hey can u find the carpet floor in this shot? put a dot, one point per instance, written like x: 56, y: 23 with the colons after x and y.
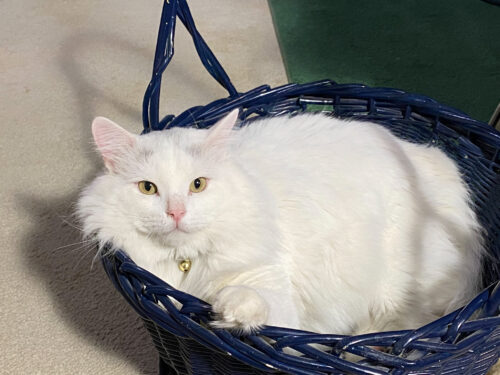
x: 62, y: 63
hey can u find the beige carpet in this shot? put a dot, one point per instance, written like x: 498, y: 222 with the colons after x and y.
x: 61, y: 64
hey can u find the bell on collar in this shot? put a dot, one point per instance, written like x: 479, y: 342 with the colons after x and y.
x: 185, y: 265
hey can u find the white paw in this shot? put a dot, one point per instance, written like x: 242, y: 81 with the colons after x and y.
x: 240, y: 308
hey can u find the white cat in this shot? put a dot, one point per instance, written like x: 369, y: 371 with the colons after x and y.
x: 307, y: 222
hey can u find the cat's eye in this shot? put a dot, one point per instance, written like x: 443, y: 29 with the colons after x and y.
x: 198, y: 185
x: 147, y: 187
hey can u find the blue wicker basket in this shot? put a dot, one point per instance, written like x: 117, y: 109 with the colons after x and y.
x: 463, y: 342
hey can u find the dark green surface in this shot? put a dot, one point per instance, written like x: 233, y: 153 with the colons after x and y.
x: 446, y: 49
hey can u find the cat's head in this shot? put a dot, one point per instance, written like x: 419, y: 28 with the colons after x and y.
x: 170, y: 188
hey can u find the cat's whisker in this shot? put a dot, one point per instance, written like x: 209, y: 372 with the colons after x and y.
x: 72, y: 225
x: 101, y: 251
x: 85, y: 255
x: 83, y: 248
x: 73, y: 244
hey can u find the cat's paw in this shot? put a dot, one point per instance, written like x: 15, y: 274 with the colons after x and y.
x: 240, y: 308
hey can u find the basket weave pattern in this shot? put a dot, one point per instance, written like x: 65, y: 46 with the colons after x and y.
x: 463, y: 342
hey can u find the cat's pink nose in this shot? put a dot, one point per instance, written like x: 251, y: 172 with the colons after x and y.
x: 176, y: 213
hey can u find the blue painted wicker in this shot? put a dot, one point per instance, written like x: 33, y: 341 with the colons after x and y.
x: 464, y: 342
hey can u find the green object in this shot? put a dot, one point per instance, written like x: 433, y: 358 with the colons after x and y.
x: 447, y: 49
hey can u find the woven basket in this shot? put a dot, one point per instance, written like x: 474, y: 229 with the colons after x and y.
x: 463, y: 342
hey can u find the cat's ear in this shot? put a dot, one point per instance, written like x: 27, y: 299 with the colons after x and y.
x: 218, y: 133
x: 113, y: 142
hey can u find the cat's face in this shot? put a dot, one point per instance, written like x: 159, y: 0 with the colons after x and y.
x: 169, y: 187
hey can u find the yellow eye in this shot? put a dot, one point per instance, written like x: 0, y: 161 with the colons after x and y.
x: 198, y: 185
x: 147, y: 187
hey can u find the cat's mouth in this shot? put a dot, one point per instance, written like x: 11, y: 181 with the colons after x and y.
x: 168, y: 233
x: 171, y: 232
x: 160, y: 228
x: 179, y: 229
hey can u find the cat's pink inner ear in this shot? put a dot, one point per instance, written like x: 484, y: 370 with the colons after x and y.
x: 219, y: 133
x: 112, y: 141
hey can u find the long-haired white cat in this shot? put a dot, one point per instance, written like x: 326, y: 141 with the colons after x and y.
x: 307, y: 222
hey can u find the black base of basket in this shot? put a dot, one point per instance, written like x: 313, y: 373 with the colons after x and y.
x: 164, y: 369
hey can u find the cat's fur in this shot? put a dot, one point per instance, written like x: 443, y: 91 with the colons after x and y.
x: 307, y: 222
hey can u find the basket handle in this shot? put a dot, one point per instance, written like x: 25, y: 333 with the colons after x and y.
x: 163, y: 54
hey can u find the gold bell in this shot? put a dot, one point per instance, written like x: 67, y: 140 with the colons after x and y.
x: 185, y: 265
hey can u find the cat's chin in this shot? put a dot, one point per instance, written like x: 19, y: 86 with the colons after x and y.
x: 176, y: 238
x: 188, y: 245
